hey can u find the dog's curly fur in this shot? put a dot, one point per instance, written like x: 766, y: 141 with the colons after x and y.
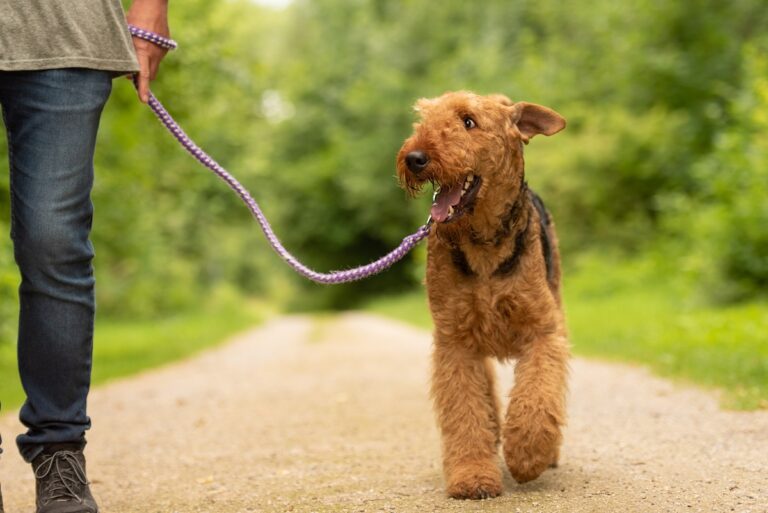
x: 493, y: 280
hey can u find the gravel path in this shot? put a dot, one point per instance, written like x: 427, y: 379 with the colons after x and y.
x: 309, y: 415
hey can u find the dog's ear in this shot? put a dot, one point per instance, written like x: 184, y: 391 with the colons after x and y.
x: 532, y: 119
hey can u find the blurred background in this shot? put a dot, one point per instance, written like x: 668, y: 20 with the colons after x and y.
x: 658, y: 185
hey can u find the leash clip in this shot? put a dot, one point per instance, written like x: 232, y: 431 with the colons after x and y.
x: 434, y: 197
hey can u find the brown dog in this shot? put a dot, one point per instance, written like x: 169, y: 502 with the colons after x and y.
x: 493, y: 280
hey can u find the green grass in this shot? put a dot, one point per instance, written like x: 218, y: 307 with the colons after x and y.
x: 124, y: 347
x: 640, y: 312
x: 410, y: 307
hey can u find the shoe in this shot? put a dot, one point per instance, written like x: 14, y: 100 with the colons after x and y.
x: 61, y: 482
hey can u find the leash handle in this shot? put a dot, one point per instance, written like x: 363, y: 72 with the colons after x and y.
x: 333, y: 277
x: 164, y: 42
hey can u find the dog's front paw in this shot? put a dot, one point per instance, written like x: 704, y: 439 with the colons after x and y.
x: 526, y: 470
x: 531, y: 446
x: 475, y: 482
x: 526, y: 463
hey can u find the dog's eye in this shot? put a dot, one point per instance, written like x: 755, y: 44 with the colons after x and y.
x: 469, y: 122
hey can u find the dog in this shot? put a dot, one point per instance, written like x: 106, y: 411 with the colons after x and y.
x: 493, y: 284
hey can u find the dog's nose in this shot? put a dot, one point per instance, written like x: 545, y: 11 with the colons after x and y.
x: 416, y: 161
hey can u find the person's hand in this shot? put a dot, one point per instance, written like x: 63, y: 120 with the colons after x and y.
x: 151, y: 15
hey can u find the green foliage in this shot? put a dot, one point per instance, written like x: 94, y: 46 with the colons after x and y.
x: 167, y: 233
x: 9, y: 280
x: 647, y: 87
x: 727, y: 240
x: 166, y: 230
x: 604, y: 180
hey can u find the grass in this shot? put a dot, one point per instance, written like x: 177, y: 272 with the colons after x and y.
x: 639, y: 312
x: 124, y: 347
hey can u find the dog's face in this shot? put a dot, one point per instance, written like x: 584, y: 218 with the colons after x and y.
x: 467, y: 145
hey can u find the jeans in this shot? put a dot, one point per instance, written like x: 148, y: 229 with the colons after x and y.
x: 51, y: 118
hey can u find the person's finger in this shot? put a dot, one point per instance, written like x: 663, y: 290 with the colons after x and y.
x: 144, y: 77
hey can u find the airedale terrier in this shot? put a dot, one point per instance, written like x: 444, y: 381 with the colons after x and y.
x: 493, y: 282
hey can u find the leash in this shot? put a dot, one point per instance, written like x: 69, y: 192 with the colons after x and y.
x: 333, y: 277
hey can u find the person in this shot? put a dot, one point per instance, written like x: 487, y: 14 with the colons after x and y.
x: 57, y: 62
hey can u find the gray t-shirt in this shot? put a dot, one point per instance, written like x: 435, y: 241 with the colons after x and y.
x: 47, y: 34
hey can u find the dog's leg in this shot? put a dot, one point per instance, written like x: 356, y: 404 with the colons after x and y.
x: 536, y: 412
x: 492, y: 397
x: 468, y: 416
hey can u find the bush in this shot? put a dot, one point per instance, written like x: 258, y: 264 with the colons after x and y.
x: 726, y: 222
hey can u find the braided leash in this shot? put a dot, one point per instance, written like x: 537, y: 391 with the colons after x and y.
x: 333, y: 277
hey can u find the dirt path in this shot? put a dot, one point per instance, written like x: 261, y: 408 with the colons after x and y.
x: 332, y: 415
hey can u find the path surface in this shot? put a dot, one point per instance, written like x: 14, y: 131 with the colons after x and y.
x: 307, y: 415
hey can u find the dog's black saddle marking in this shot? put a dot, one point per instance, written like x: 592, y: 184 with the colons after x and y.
x: 505, y: 228
x: 546, y: 244
x: 460, y: 261
x: 509, y: 265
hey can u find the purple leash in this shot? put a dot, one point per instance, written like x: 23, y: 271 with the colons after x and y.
x: 333, y: 277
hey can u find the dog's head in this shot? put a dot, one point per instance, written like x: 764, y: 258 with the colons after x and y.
x: 468, y: 146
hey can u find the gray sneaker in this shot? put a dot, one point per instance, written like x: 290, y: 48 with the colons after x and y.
x: 62, y: 486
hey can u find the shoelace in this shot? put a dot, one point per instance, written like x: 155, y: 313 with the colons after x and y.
x: 66, y: 477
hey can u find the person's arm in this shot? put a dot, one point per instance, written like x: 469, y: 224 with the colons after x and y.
x: 150, y: 15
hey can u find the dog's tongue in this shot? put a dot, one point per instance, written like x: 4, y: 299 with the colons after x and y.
x: 446, y: 198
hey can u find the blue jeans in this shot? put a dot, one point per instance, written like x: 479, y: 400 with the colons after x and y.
x: 51, y: 118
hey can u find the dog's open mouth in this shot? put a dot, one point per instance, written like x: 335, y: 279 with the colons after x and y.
x: 450, y: 202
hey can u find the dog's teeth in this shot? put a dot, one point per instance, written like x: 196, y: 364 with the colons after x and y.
x: 470, y: 178
x: 450, y: 211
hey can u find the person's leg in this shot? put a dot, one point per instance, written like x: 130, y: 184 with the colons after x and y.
x: 52, y: 117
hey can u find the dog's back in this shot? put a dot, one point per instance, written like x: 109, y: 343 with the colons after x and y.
x: 549, y: 245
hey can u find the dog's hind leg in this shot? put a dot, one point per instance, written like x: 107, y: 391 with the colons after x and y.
x: 468, y: 416
x: 536, y: 413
